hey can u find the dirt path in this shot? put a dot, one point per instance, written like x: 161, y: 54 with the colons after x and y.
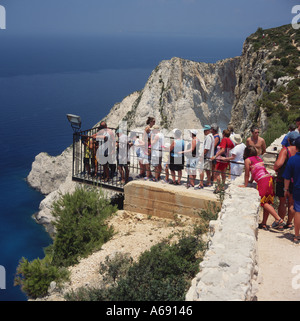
x: 279, y: 266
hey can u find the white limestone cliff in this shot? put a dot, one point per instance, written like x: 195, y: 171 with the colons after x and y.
x: 181, y: 94
x: 49, y: 172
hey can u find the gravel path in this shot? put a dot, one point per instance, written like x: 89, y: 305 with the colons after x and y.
x: 279, y: 266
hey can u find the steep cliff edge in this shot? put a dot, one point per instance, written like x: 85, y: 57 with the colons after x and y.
x: 251, y: 89
x: 181, y: 94
x: 268, y: 84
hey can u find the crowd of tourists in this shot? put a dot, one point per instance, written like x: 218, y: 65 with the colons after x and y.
x: 219, y: 155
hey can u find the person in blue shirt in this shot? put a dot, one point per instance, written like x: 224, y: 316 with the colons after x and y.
x: 285, y: 141
x: 292, y: 172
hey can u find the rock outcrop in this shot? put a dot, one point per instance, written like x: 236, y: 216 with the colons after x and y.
x: 186, y: 94
x: 251, y: 83
x: 52, y: 176
x: 181, y: 94
x: 49, y: 172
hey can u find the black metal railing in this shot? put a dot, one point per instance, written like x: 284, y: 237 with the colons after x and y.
x: 112, y: 173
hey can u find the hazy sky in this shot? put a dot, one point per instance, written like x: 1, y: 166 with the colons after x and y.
x: 203, y: 18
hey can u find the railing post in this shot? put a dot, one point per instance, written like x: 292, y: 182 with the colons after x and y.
x: 76, y: 153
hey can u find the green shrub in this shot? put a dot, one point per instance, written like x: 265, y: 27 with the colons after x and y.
x: 276, y: 127
x: 284, y: 61
x: 80, y: 225
x: 161, y: 274
x: 115, y: 268
x: 35, y: 277
x: 81, y: 229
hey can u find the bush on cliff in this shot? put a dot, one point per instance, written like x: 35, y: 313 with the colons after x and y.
x: 161, y: 274
x: 35, y: 277
x: 80, y: 224
x: 81, y: 228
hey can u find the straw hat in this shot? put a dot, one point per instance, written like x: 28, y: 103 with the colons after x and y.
x: 237, y: 138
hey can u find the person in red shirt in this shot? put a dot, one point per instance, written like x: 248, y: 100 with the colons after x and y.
x: 223, y: 151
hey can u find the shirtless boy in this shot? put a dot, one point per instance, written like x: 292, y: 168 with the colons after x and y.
x: 256, y: 141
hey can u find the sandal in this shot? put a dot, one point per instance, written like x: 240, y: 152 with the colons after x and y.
x: 198, y: 187
x: 288, y: 226
x: 296, y: 240
x: 264, y: 227
x: 278, y: 224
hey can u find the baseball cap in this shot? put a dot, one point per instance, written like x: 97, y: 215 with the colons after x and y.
x: 193, y: 131
x: 206, y: 127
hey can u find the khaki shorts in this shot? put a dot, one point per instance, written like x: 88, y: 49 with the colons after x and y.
x: 207, y: 165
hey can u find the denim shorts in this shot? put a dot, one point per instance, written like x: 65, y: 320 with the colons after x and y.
x: 297, y: 205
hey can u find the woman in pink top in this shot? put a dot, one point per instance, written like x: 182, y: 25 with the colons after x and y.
x: 255, y: 166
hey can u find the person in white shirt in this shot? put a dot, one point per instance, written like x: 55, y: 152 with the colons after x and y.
x: 122, y: 156
x: 157, y: 141
x: 208, y: 153
x: 105, y: 154
x: 236, y: 155
x: 138, y: 144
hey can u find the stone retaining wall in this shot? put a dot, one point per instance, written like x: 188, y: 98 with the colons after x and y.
x: 164, y: 200
x: 229, y: 269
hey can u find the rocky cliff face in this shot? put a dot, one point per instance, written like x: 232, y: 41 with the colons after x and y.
x: 181, y: 94
x: 268, y: 84
x: 186, y: 94
x: 48, y: 172
x: 251, y: 82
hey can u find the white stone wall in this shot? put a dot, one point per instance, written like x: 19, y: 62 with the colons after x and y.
x: 229, y: 269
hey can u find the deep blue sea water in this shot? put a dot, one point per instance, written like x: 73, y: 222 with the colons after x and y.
x: 43, y: 79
